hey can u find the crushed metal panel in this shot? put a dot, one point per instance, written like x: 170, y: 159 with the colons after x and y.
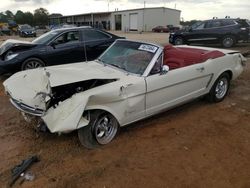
x: 66, y: 116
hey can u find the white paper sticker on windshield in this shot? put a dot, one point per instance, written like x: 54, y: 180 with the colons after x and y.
x: 148, y: 48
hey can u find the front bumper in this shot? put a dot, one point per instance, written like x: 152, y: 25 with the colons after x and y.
x: 171, y: 39
x: 9, y: 66
x: 27, y: 109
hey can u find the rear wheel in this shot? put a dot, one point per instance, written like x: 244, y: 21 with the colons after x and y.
x: 178, y: 41
x: 101, y: 130
x: 32, y: 63
x: 228, y: 41
x: 220, y: 88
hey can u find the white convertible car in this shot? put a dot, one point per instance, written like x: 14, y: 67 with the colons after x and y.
x: 129, y: 82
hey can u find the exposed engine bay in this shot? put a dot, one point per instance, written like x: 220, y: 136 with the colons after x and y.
x: 63, y: 92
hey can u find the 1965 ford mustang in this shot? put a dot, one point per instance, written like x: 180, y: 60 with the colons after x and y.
x: 128, y: 82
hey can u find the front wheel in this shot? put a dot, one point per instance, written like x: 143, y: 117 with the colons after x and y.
x: 220, y: 88
x: 228, y: 41
x: 178, y: 41
x: 32, y: 63
x: 101, y: 130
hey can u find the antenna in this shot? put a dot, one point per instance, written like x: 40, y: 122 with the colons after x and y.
x: 84, y: 45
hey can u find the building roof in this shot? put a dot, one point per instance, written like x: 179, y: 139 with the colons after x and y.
x: 90, y: 13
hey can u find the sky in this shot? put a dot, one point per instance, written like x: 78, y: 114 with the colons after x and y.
x: 190, y: 9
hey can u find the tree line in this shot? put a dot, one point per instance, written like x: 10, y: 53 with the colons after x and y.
x: 40, y: 17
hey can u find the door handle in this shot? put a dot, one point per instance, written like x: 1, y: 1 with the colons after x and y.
x: 201, y: 69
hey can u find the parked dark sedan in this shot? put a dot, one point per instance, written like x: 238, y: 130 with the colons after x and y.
x: 59, y: 46
x: 26, y: 31
x: 226, y: 32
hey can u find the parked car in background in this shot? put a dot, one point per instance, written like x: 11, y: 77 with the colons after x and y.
x: 172, y: 28
x: 60, y: 26
x: 4, y: 30
x: 160, y: 29
x: 59, y: 46
x: 26, y: 31
x: 130, y: 81
x: 226, y: 32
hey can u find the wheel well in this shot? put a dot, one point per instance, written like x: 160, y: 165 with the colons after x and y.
x: 35, y: 58
x: 230, y: 73
x: 21, y: 64
x: 230, y: 34
x: 86, y: 113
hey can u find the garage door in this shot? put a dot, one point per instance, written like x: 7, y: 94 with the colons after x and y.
x: 133, y: 25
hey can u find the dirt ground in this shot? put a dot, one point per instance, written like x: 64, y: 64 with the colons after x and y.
x: 196, y: 145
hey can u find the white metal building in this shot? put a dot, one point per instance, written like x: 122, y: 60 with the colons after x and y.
x: 143, y: 19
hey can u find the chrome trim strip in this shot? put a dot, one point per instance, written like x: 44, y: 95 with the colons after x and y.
x: 27, y: 109
x: 199, y: 39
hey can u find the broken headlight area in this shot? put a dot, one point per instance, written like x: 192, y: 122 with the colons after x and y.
x: 10, y: 56
x: 63, y: 92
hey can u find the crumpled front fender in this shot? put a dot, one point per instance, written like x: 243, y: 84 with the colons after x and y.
x: 67, y: 115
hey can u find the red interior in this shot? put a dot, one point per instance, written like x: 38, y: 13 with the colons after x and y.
x: 176, y: 57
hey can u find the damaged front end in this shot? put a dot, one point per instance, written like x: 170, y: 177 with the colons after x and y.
x: 10, y: 52
x: 60, y: 107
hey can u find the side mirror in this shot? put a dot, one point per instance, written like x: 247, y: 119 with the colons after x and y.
x: 164, y: 69
x: 53, y: 44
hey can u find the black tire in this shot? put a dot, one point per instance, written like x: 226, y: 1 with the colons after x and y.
x: 228, y: 41
x: 178, y: 41
x: 32, y: 63
x: 94, y: 134
x: 220, y: 88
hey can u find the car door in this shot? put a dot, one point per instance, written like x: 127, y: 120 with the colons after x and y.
x: 95, y: 42
x: 176, y: 86
x: 65, y: 49
x: 196, y: 32
x: 212, y: 30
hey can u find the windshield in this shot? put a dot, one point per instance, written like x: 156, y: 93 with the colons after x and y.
x: 248, y: 22
x: 196, y: 25
x: 25, y: 27
x: 45, y: 38
x: 132, y: 57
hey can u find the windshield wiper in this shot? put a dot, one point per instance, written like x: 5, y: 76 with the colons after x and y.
x: 115, y: 65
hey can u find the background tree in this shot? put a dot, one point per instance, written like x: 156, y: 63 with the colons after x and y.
x: 9, y: 15
x: 41, y: 16
x: 189, y: 23
x: 3, y: 17
x: 19, y: 17
x: 28, y: 18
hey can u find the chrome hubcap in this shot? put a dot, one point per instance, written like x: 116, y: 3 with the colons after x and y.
x: 228, y: 42
x: 105, y: 130
x: 32, y: 65
x: 221, y: 88
x: 178, y: 41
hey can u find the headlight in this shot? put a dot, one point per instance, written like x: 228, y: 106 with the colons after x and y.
x: 11, y: 56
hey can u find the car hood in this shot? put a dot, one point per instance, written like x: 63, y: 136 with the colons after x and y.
x: 179, y: 32
x: 10, y: 43
x: 33, y: 87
